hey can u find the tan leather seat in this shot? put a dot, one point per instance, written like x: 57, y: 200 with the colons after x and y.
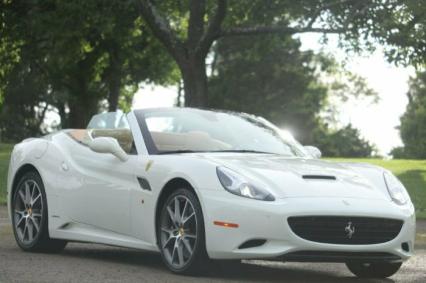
x: 80, y: 135
x: 123, y: 136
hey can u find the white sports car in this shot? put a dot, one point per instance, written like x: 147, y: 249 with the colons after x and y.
x: 197, y: 185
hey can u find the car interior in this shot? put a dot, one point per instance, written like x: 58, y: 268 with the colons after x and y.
x: 123, y: 136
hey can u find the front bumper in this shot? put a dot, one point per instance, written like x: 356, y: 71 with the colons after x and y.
x: 268, y: 221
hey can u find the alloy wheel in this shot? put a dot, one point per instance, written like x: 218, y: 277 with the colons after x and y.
x: 28, y: 211
x: 178, y: 231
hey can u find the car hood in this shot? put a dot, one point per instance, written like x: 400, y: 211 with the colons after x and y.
x: 299, y: 177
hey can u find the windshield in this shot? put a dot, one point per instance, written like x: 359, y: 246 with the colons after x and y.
x: 178, y: 130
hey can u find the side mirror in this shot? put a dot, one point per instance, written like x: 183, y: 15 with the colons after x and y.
x: 313, y: 151
x: 108, y: 145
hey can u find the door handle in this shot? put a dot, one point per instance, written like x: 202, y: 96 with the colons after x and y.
x: 64, y: 166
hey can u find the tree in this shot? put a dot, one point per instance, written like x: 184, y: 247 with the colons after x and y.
x: 21, y: 112
x: 188, y: 29
x: 86, y: 52
x: 413, y: 122
x: 344, y: 142
x: 269, y: 76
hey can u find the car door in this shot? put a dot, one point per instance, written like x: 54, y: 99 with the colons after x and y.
x: 101, y: 199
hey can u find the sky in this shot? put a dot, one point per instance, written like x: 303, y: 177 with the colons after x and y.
x: 376, y: 122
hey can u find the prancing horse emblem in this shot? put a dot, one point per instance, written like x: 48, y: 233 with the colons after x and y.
x: 350, y: 230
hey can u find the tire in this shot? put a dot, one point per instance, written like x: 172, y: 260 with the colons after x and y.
x: 181, y: 236
x: 373, y: 270
x: 30, y: 218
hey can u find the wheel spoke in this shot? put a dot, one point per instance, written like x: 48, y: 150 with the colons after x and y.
x: 190, y: 236
x: 20, y: 214
x: 30, y: 230
x: 33, y: 190
x: 25, y: 230
x: 173, y: 253
x: 36, y: 215
x: 34, y: 200
x: 36, y: 225
x: 177, y: 210
x: 171, y: 216
x: 27, y: 194
x: 184, y: 210
x: 167, y: 242
x: 22, y: 196
x: 180, y: 254
x: 189, y: 217
x: 187, y: 245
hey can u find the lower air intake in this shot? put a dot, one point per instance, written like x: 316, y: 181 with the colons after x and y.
x: 345, y: 230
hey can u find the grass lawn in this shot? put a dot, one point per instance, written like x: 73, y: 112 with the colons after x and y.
x: 411, y: 172
x: 5, y: 150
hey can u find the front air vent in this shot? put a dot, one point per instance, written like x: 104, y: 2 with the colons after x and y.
x: 405, y: 247
x: 319, y: 177
x: 252, y: 243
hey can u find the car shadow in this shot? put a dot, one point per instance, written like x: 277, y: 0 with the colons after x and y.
x: 246, y: 271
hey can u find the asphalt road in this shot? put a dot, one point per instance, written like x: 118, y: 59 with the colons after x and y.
x: 97, y: 263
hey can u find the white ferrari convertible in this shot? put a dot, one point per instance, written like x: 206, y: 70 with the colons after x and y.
x: 198, y: 185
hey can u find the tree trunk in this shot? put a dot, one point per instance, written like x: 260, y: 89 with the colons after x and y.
x: 113, y: 77
x: 63, y: 115
x: 114, y: 93
x: 179, y: 94
x: 83, y: 104
x: 194, y: 77
x: 81, y: 111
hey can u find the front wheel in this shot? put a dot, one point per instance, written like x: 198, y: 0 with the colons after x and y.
x: 30, y: 219
x: 373, y: 270
x: 181, y: 233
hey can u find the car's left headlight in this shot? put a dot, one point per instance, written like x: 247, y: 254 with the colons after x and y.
x: 396, y: 189
x: 238, y: 185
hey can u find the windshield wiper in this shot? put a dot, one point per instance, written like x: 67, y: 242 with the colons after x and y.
x: 243, y: 151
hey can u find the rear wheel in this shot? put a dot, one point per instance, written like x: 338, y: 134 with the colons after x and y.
x: 181, y: 233
x: 373, y: 270
x: 29, y: 216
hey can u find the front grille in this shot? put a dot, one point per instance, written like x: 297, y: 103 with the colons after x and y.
x: 345, y: 230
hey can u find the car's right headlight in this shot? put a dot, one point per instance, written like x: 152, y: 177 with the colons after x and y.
x: 396, y: 189
x: 238, y: 185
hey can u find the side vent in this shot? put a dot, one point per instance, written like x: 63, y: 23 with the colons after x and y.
x: 144, y: 184
x: 319, y: 177
x: 252, y: 244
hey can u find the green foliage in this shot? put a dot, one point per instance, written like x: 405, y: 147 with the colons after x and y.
x: 401, y: 28
x: 78, y: 54
x: 269, y: 77
x: 413, y: 122
x: 5, y: 151
x: 344, y: 142
x: 398, y: 152
x: 188, y: 29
